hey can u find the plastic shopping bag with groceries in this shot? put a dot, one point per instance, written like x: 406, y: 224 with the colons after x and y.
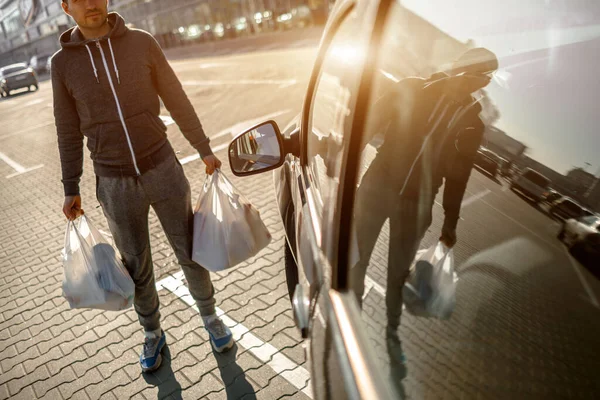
x: 94, y: 277
x: 227, y: 228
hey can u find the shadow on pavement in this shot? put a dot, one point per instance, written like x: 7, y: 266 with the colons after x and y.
x: 233, y: 376
x: 164, y: 378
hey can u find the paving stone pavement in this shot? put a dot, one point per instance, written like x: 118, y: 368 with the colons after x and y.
x: 49, y: 351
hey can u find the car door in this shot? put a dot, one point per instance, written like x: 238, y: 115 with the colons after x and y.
x: 338, y: 356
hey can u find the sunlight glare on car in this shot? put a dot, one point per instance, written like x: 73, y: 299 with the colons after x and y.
x: 347, y: 53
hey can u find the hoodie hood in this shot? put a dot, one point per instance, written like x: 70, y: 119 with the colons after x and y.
x: 74, y: 38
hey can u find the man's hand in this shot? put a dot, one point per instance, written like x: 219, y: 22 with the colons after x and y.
x: 72, y: 207
x: 448, y: 236
x: 212, y: 163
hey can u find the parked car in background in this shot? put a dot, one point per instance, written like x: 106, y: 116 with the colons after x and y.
x: 582, y: 236
x: 531, y: 184
x: 506, y: 168
x: 48, y: 64
x: 566, y: 208
x: 298, y: 17
x: 40, y: 63
x: 551, y: 196
x: 488, y: 162
x: 17, y: 76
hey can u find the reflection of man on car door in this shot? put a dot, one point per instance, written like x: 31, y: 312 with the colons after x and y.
x: 432, y: 132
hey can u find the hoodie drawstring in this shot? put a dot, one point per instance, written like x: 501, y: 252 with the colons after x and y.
x: 93, y: 64
x: 114, y: 62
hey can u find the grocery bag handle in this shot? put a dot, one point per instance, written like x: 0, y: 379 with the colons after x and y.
x: 447, y: 251
x: 71, y: 224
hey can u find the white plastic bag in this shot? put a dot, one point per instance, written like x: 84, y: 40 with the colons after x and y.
x: 94, y: 277
x: 227, y: 228
x: 430, y: 288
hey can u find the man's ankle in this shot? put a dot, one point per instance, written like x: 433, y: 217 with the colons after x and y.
x: 207, y: 319
x: 156, y: 333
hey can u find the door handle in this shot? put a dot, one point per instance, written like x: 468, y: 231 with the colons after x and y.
x: 301, y: 308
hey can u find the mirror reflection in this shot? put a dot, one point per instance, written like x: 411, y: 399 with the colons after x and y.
x: 255, y: 150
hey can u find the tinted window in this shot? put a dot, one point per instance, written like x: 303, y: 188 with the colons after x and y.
x: 523, y: 310
x: 330, y: 115
x: 569, y: 205
x: 536, y: 178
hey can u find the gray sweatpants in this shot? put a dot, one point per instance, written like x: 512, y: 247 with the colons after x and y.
x: 126, y: 201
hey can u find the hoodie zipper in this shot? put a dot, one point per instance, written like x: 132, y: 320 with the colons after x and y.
x: 112, y: 86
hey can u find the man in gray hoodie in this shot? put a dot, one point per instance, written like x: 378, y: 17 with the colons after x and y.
x: 107, y: 80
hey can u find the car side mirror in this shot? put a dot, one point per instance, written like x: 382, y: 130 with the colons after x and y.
x: 257, y: 150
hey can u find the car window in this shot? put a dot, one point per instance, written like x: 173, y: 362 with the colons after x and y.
x: 11, y: 70
x: 330, y: 112
x: 452, y: 75
x: 536, y: 178
x: 590, y: 221
x: 569, y: 205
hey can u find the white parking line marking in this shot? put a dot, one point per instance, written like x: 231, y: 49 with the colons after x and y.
x: 167, y: 120
x: 193, y: 65
x: 475, y: 197
x: 16, y: 166
x: 521, y: 225
x: 27, y: 130
x: 241, y: 82
x: 584, y: 282
x: 295, y: 374
x: 371, y: 284
x: 233, y: 131
x: 287, y: 85
x: 33, y: 102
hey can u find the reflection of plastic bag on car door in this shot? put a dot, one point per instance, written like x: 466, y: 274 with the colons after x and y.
x: 430, y: 289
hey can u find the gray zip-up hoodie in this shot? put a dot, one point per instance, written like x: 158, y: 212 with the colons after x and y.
x: 108, y: 90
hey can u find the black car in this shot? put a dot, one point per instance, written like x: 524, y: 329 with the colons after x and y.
x: 343, y: 173
x: 551, y: 196
x: 488, y: 162
x: 17, y: 76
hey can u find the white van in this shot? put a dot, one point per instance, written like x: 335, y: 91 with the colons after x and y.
x: 531, y: 184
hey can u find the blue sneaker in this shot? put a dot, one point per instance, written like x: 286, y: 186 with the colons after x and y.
x: 221, y: 337
x: 150, y: 359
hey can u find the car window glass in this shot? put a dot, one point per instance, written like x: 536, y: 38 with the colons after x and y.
x: 453, y: 76
x: 571, y: 206
x: 12, y: 70
x: 330, y: 109
x: 591, y: 220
